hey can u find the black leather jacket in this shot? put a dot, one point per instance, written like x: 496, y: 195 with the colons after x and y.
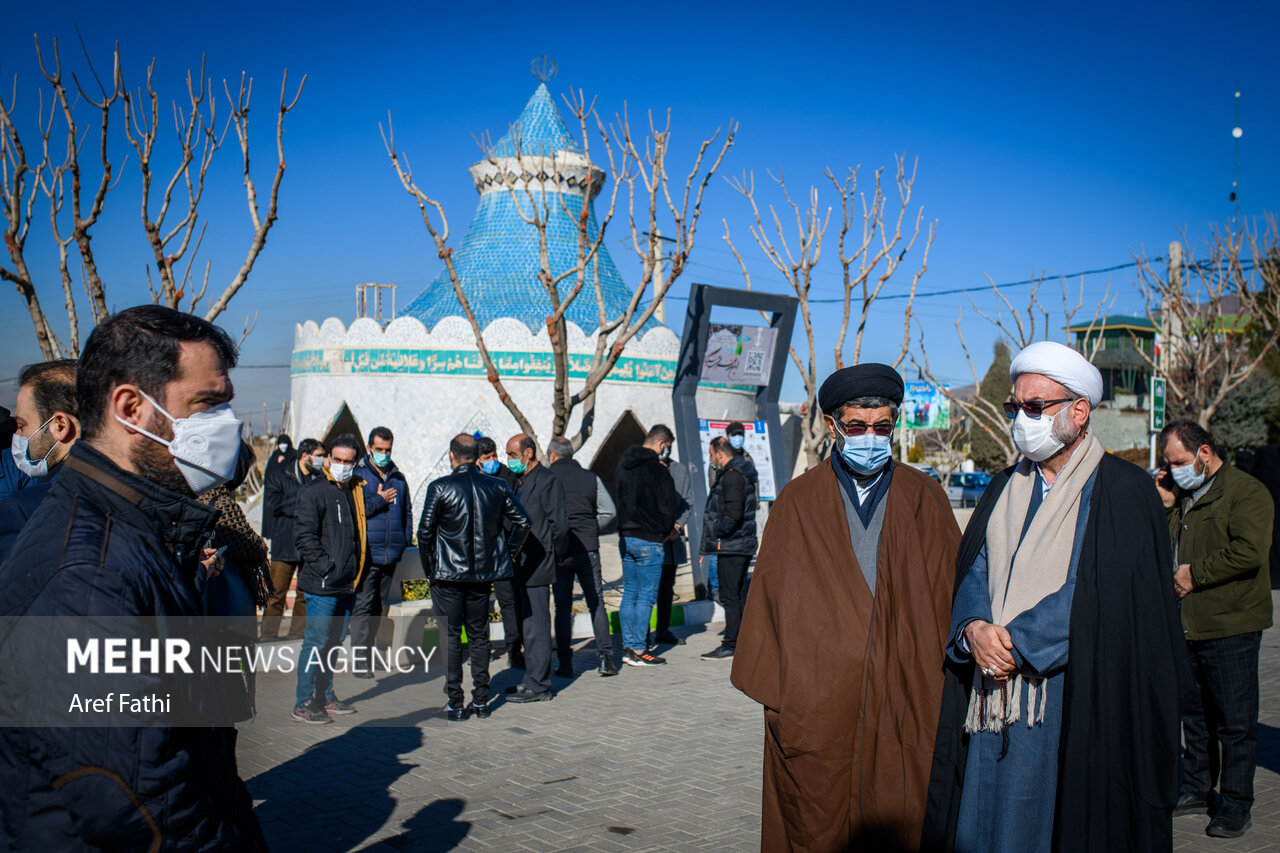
x: 460, y: 536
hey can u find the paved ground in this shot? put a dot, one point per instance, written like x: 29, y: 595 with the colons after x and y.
x: 655, y: 759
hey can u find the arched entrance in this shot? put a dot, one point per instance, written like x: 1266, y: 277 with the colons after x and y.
x: 344, y: 423
x: 626, y: 432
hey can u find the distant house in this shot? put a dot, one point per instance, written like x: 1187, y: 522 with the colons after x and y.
x: 1121, y: 341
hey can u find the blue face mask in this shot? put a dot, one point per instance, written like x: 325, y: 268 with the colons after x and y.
x: 736, y: 441
x: 490, y: 466
x: 867, y: 454
x: 381, y: 459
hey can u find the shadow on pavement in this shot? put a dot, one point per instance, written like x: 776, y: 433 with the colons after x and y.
x: 337, y: 793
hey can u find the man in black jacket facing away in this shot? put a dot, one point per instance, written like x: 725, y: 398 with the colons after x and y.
x: 543, y: 498
x: 280, y: 493
x: 729, y: 532
x: 333, y: 541
x: 647, y: 509
x: 463, y: 546
x: 119, y: 538
x: 589, y: 508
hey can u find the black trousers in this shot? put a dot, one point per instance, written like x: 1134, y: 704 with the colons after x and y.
x: 732, y: 569
x: 666, y: 592
x: 456, y: 605
x: 585, y: 569
x: 534, y: 606
x: 1220, y: 736
x: 505, y: 592
x: 367, y: 612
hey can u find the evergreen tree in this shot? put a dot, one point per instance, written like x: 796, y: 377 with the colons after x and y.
x: 987, y: 452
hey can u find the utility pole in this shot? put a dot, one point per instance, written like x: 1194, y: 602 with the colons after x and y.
x: 661, y: 311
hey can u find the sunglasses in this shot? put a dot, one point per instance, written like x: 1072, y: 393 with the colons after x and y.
x: 1032, y: 408
x: 882, y: 429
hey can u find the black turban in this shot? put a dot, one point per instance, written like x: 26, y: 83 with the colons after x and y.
x: 861, y: 380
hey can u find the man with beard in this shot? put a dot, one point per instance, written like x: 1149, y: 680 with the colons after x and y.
x: 118, y: 541
x: 1065, y: 660
x: 843, y: 632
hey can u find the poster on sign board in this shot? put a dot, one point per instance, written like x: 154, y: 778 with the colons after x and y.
x: 925, y: 406
x: 756, y: 445
x: 739, y: 355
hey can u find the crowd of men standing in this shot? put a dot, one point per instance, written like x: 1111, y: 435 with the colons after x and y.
x: 1071, y: 672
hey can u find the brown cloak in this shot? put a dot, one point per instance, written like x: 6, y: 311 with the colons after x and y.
x: 850, y: 684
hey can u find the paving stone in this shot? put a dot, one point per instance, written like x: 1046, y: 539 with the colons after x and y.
x: 662, y: 759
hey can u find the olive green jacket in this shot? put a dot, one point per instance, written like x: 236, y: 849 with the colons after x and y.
x: 1226, y: 537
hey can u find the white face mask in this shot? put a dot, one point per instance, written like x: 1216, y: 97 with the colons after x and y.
x: 1187, y: 478
x: 1034, y: 438
x: 35, y: 470
x: 283, y: 447
x: 206, y: 445
x: 342, y: 471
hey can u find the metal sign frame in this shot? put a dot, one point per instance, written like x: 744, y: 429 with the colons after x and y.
x: 693, y: 346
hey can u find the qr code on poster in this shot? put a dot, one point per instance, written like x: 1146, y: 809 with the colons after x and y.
x: 755, y: 363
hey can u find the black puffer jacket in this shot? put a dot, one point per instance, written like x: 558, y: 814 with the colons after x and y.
x: 331, y: 535
x: 729, y: 524
x: 280, y: 495
x: 460, y: 536
x: 107, y: 543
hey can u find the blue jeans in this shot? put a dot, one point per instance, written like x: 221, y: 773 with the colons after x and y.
x: 641, y: 574
x: 327, y: 617
x: 713, y: 580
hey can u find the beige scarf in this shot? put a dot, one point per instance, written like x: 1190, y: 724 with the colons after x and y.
x: 1020, y: 576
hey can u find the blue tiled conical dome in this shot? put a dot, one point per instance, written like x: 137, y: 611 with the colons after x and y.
x: 497, y: 261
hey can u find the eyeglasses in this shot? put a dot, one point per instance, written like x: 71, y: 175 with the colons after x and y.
x: 1033, y: 408
x: 882, y: 428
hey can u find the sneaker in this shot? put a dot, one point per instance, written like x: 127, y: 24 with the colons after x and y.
x: 606, y: 666
x: 633, y: 658
x: 1191, y: 803
x: 310, y: 716
x: 456, y: 715
x: 1229, y: 822
x: 719, y: 653
x: 479, y: 711
x: 522, y: 695
x: 668, y: 638
x: 338, y: 707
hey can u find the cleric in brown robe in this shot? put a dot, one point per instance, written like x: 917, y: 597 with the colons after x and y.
x: 843, y: 636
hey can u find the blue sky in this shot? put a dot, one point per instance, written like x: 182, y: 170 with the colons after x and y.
x: 1050, y: 137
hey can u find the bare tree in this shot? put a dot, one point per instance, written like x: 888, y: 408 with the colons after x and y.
x: 1217, y: 314
x: 1019, y: 328
x: 71, y: 195
x: 655, y: 205
x: 867, y: 264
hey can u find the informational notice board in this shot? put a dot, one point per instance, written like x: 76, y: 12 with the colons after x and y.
x: 756, y: 445
x: 739, y: 355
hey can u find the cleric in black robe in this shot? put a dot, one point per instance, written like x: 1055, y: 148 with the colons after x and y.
x: 1117, y: 753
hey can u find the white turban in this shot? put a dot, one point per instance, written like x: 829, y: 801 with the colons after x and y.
x: 1062, y: 364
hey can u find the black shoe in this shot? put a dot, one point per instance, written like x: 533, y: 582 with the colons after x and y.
x: 565, y: 670
x: 522, y: 695
x: 719, y: 653
x: 479, y: 711
x: 310, y: 716
x: 457, y: 715
x: 337, y: 706
x: 1229, y: 822
x: 364, y: 673
x: 606, y: 666
x: 1191, y: 803
x: 497, y: 654
x: 517, y: 660
x: 645, y: 658
x: 669, y: 638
